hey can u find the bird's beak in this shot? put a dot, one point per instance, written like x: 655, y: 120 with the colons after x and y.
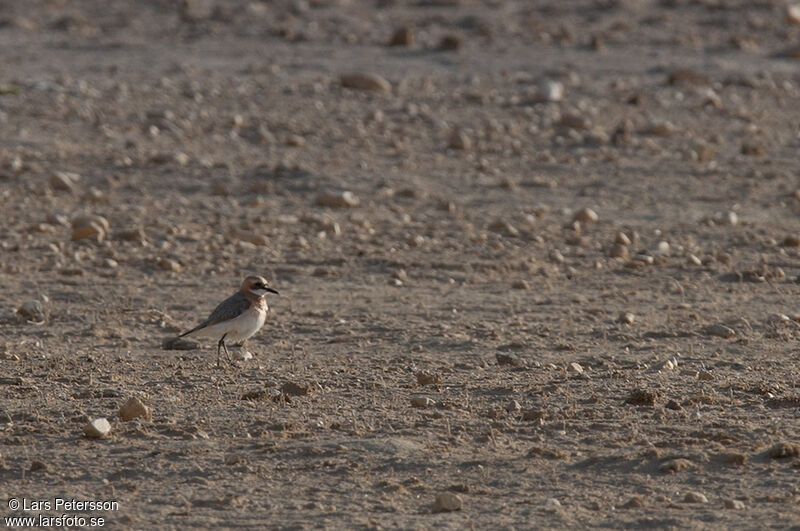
x: 272, y: 290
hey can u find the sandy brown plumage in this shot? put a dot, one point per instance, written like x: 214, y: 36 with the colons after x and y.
x: 238, y: 317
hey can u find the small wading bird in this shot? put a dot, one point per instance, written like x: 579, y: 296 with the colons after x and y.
x: 238, y: 317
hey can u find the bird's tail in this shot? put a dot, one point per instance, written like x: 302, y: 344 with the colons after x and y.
x: 193, y: 330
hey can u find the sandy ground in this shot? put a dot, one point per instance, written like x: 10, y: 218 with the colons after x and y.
x: 458, y: 323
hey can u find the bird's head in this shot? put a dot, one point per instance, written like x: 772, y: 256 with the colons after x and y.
x: 257, y: 285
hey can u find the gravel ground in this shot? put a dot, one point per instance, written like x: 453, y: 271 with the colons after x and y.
x: 538, y: 262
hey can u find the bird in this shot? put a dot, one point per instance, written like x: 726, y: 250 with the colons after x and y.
x: 238, y: 317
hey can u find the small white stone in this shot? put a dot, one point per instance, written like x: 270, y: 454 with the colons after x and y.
x: 668, y: 365
x: 662, y: 248
x: 737, y: 505
x: 695, y: 497
x: 576, y: 368
x: 133, y: 409
x: 552, y: 502
x: 585, y: 215
x: 793, y: 13
x: 97, y: 429
x: 242, y: 355
x: 550, y: 91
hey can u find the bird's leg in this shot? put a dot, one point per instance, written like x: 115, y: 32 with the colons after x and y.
x: 227, y: 354
x: 221, y: 344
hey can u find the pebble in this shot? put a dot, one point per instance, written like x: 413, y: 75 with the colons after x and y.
x: 513, y: 407
x: 597, y: 506
x: 720, y: 330
x: 752, y: 150
x: 734, y: 459
x: 242, y: 355
x: 783, y: 450
x: 296, y: 389
x: 664, y: 128
x: 402, y: 37
x: 32, y: 311
x: 133, y: 235
x: 508, y: 359
x: 521, y: 284
x: 585, y: 215
x: 503, y: 227
x: 90, y: 218
x: 727, y: 218
x: 705, y: 375
x: 695, y: 497
x: 64, y: 181
x: 344, y: 199
x: 674, y: 465
x: 180, y: 343
x: 256, y: 239
x: 694, y: 260
x: 168, y: 264
x: 642, y: 397
x: 686, y: 76
x: 428, y: 378
x: 576, y: 368
x: 793, y: 14
x: 89, y: 226
x: 619, y: 251
x: 196, y: 10
x: 552, y: 502
x: 635, y: 502
x: 626, y: 318
x: 97, y: 429
x: 400, y: 274
x: 38, y: 465
x: 622, y: 239
x: 575, y: 121
x: 534, y: 414
x: 556, y: 256
x: 295, y: 141
x: 367, y: 82
x: 422, y: 401
x: 459, y: 140
x: 792, y: 240
x: 668, y: 365
x: 451, y: 43
x: 550, y: 91
x: 447, y: 502
x: 134, y: 409
x: 737, y: 505
x: 90, y: 230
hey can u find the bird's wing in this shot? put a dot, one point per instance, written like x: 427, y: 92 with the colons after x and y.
x: 228, y: 309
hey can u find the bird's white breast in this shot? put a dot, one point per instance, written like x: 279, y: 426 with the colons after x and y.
x: 239, y: 328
